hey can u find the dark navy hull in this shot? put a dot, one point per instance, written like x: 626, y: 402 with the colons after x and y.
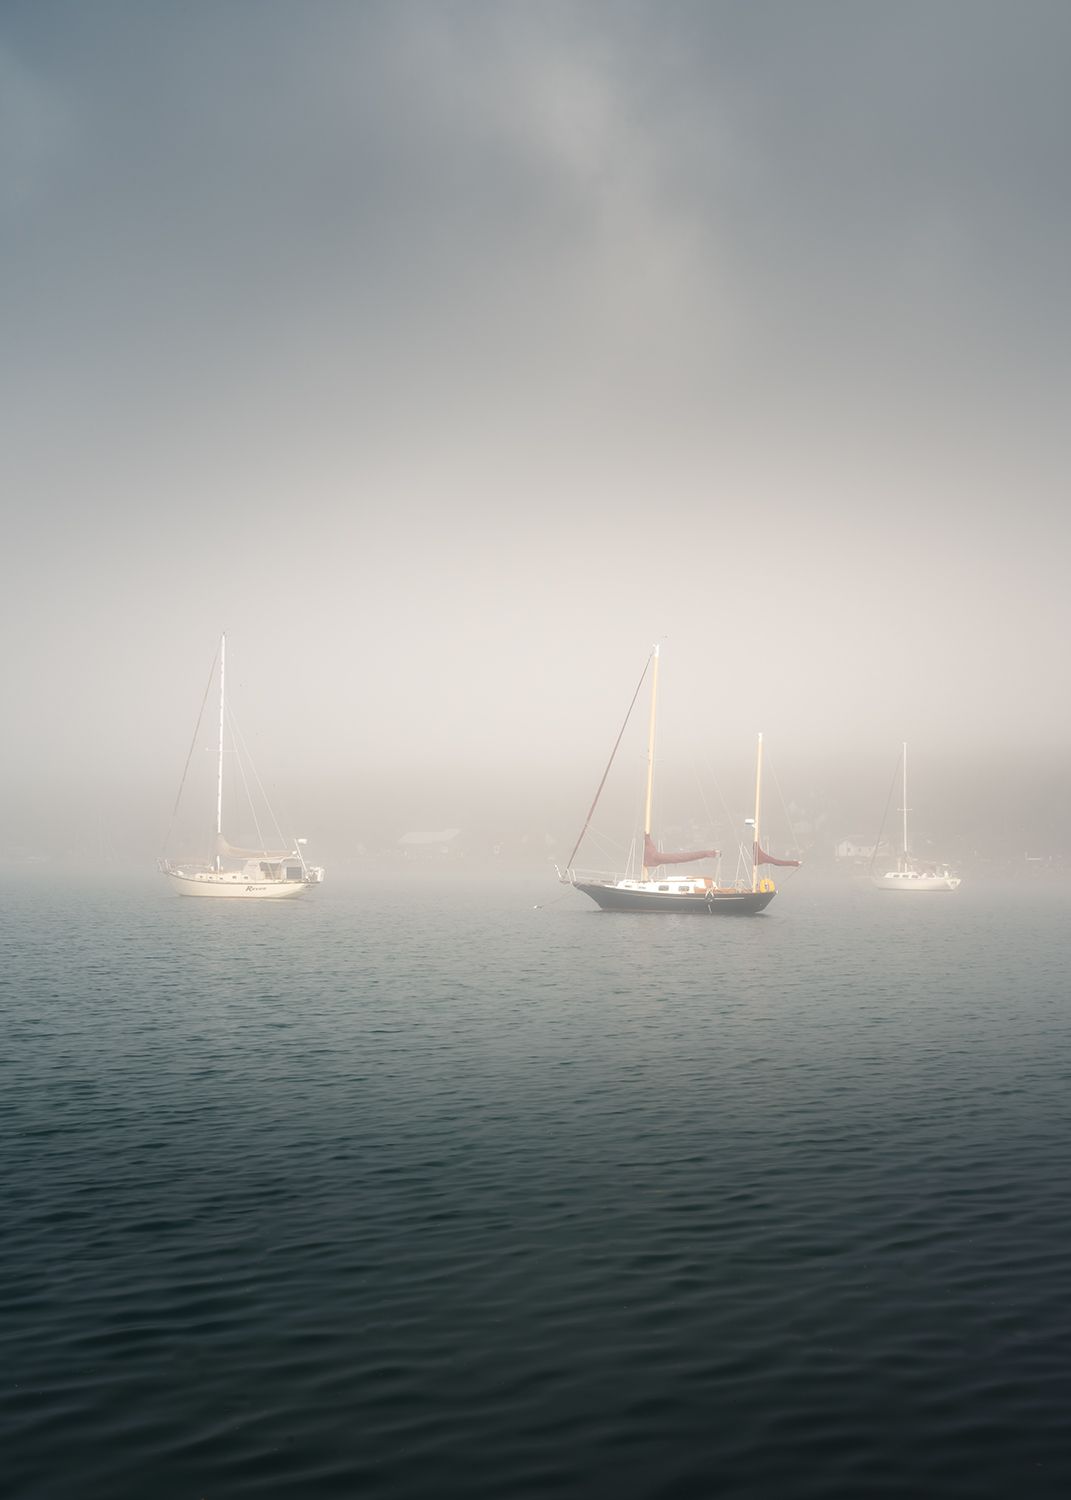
x: 703, y: 903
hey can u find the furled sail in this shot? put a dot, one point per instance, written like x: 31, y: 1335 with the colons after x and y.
x: 229, y: 851
x: 762, y: 858
x: 652, y: 855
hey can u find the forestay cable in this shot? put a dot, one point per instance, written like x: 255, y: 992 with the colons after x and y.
x: 189, y: 753
x: 609, y: 763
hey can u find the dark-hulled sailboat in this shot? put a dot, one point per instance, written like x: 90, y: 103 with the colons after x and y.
x: 656, y: 890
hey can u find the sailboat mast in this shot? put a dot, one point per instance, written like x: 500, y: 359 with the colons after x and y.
x: 904, y: 808
x: 758, y: 806
x: 650, y: 760
x: 219, y: 758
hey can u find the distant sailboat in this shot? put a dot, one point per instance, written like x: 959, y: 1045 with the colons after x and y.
x: 238, y: 874
x: 680, y: 893
x: 911, y: 874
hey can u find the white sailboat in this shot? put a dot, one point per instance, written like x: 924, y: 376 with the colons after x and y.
x: 237, y: 874
x: 679, y: 893
x: 911, y: 874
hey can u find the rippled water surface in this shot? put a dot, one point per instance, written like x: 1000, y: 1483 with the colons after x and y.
x: 414, y: 1190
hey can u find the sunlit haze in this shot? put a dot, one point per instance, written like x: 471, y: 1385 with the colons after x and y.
x: 448, y: 355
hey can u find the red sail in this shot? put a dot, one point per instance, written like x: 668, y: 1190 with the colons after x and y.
x: 653, y: 856
x: 762, y: 858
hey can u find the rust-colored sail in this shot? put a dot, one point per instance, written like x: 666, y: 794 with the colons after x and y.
x: 653, y: 856
x: 762, y: 858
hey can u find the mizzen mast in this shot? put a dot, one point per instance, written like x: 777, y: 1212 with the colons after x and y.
x: 757, y: 846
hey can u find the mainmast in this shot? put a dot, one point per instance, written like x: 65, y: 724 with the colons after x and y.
x: 904, y: 808
x: 758, y: 805
x: 650, y: 759
x: 219, y: 759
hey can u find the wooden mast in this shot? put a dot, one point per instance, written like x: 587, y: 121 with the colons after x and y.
x: 758, y: 805
x: 650, y: 763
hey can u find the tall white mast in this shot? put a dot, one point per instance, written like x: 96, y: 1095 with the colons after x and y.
x: 758, y: 805
x: 904, y: 808
x: 650, y: 763
x: 219, y: 760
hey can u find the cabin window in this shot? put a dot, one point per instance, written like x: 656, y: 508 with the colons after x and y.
x: 683, y: 888
x: 663, y: 887
x: 293, y: 872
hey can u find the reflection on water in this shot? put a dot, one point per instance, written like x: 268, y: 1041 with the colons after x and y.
x: 416, y: 1190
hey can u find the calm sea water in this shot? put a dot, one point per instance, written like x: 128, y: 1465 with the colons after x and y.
x: 414, y: 1190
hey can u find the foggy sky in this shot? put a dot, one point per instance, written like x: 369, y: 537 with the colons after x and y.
x: 446, y: 355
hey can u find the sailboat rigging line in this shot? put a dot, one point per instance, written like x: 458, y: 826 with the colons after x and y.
x: 703, y: 799
x: 788, y: 818
x: 256, y: 777
x: 743, y: 859
x: 885, y: 814
x: 634, y: 863
x: 703, y: 792
x: 611, y: 848
x: 609, y: 763
x: 189, y: 753
x: 235, y: 735
x: 542, y: 905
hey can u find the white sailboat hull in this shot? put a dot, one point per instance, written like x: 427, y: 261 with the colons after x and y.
x: 911, y: 880
x: 224, y: 886
x: 907, y: 876
x: 237, y: 874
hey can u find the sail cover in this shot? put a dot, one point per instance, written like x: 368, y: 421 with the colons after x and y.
x: 654, y: 856
x: 762, y: 858
x: 229, y: 851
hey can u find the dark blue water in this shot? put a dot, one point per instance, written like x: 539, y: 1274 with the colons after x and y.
x: 417, y: 1191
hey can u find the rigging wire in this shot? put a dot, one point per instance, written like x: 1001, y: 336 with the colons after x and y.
x: 189, y: 753
x: 235, y: 737
x: 885, y: 814
x: 611, y: 848
x: 609, y: 763
x: 706, y: 812
x: 260, y: 785
x: 743, y: 863
x: 788, y: 819
x: 542, y: 905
